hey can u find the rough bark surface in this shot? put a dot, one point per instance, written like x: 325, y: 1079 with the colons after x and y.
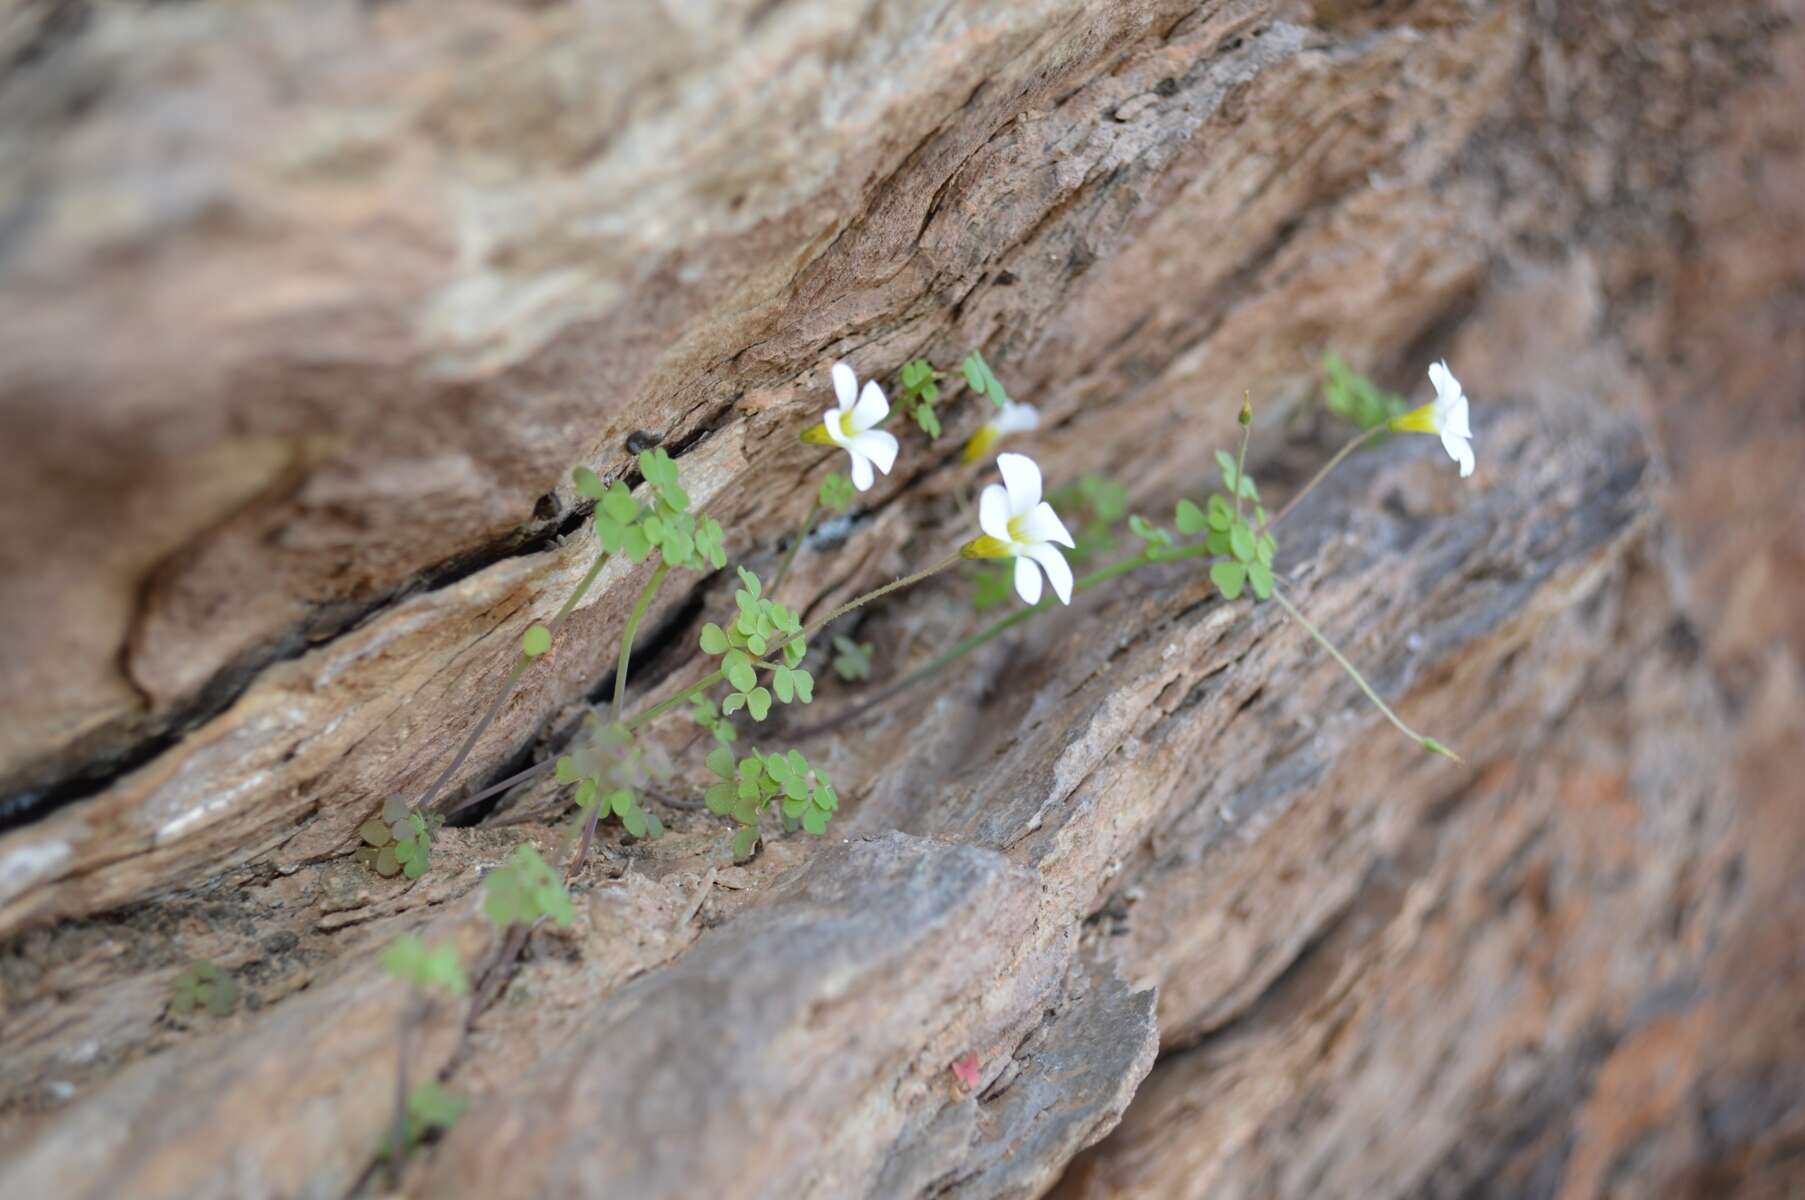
x: 306, y: 310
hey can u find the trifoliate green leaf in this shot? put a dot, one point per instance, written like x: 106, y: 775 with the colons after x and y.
x: 836, y: 493
x: 618, y: 505
x: 740, y: 672
x: 815, y: 821
x: 657, y: 467
x: 1222, y: 513
x: 1230, y: 577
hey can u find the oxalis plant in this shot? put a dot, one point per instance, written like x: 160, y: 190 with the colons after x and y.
x: 758, y: 651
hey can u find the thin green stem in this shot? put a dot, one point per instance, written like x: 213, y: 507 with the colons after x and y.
x: 789, y: 557
x: 997, y: 628
x: 1353, y: 445
x: 714, y: 677
x: 507, y: 687
x: 626, y: 637
x: 1241, y: 462
x: 1428, y: 743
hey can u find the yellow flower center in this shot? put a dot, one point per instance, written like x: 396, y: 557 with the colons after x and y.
x: 846, y: 428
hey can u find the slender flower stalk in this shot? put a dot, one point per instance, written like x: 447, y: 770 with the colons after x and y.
x: 507, y: 687
x: 1354, y: 444
x: 1427, y: 743
x: 707, y: 681
x: 783, y: 569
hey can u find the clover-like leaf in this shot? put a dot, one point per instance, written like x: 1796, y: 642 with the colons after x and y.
x: 740, y: 672
x: 758, y: 703
x: 836, y: 493
x: 815, y: 821
x: 714, y: 639
x: 1189, y: 518
x: 589, y: 483
x: 658, y: 468
x: 1230, y: 577
x: 618, y: 504
x: 375, y: 832
x: 1259, y: 577
x: 744, y: 841
x: 1240, y: 541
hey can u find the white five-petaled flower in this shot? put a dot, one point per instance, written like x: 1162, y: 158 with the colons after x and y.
x: 852, y: 426
x: 1011, y: 418
x: 1018, y: 524
x: 1446, y: 416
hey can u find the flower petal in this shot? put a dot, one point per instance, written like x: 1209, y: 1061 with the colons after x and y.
x: 871, y: 408
x: 1454, y: 419
x: 993, y: 512
x: 1059, y: 572
x: 830, y: 420
x: 1022, y: 479
x: 1027, y: 580
x: 1460, y: 450
x: 1042, y: 525
x: 878, y: 446
x: 1446, y: 386
x: 862, y: 478
x: 846, y: 386
x: 1016, y: 418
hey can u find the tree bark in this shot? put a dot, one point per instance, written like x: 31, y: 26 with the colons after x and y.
x: 307, y: 310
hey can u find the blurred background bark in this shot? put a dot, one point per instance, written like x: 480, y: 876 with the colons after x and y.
x: 307, y: 309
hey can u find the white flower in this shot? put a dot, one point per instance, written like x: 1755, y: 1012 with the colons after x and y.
x: 853, y: 427
x: 1446, y: 415
x: 1018, y: 524
x: 1012, y: 418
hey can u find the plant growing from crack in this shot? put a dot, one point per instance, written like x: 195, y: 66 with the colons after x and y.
x: 430, y: 973
x: 202, y: 987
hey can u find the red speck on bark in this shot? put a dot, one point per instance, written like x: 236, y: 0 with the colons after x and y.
x: 965, y: 1068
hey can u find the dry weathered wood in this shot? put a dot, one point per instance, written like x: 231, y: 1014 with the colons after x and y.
x: 306, y: 311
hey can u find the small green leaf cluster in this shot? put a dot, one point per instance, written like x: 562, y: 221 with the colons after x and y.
x: 664, y: 523
x: 399, y: 842
x: 747, y: 789
x: 920, y: 391
x: 704, y: 712
x: 609, y: 769
x: 410, y: 960
x: 431, y: 1109
x: 524, y: 889
x: 1251, y: 546
x: 836, y: 493
x: 1091, y: 506
x: 203, y: 986
x: 852, y: 660
x: 763, y: 626
x: 1355, y: 398
x: 983, y: 380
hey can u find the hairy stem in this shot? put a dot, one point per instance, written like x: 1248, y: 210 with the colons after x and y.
x: 507, y: 688
x: 1428, y: 743
x: 808, y: 522
x: 1353, y: 445
x: 714, y: 677
x: 1241, y: 461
